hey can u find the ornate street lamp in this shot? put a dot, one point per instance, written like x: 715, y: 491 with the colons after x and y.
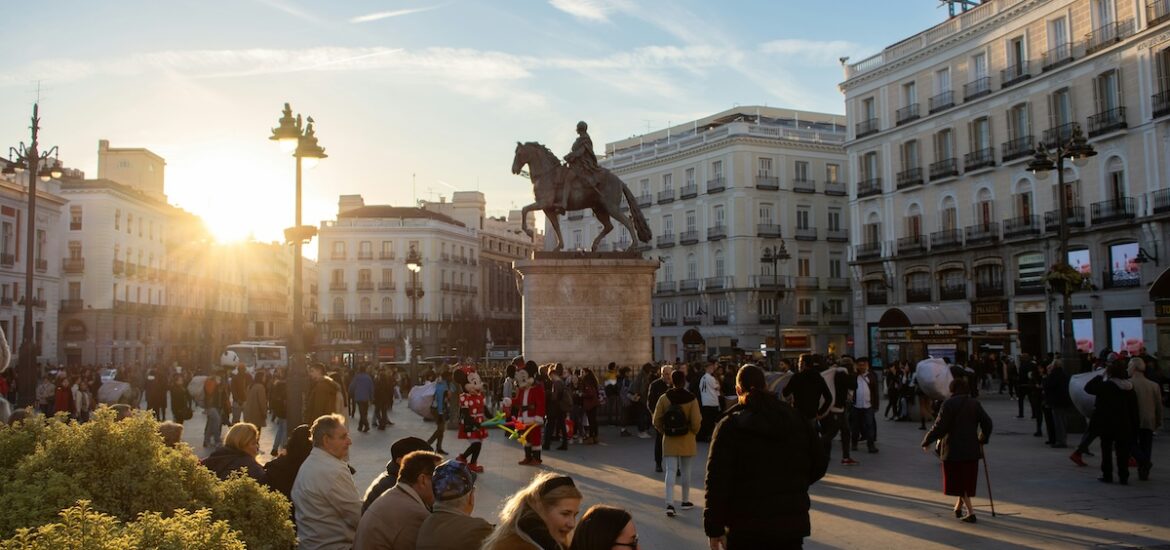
x: 776, y: 255
x: 39, y: 166
x: 1060, y: 277
x: 302, y: 143
x: 415, y: 293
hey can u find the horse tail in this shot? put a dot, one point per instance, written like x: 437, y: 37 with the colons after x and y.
x: 643, y: 228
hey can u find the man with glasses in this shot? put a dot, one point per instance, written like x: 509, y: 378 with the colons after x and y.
x: 324, y: 496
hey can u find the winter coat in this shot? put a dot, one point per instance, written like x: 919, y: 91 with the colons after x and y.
x: 762, y: 459
x: 282, y: 470
x: 590, y: 394
x: 962, y: 425
x: 361, y: 388
x: 657, y: 388
x: 1056, y: 389
x: 380, y: 485
x: 225, y: 460
x: 874, y: 394
x: 678, y: 445
x: 156, y: 392
x: 1149, y: 401
x: 180, y: 402
x: 1116, y: 411
x: 256, y: 407
x: 322, y: 399
x: 240, y: 383
x: 810, y: 393
x: 278, y: 400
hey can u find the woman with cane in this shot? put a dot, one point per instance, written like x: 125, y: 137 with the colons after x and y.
x: 962, y: 428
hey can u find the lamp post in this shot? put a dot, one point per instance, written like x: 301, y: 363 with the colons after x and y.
x: 302, y: 143
x: 39, y: 166
x: 415, y: 293
x: 1050, y: 157
x: 776, y: 255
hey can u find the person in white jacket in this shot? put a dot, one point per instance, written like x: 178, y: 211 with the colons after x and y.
x: 708, y: 402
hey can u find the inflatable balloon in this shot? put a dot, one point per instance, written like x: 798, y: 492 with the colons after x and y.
x: 934, y: 378
x: 777, y: 381
x: 1082, y: 400
x: 195, y: 388
x: 112, y: 393
x: 421, y: 398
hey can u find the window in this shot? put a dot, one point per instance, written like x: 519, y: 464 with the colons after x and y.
x: 75, y: 250
x: 910, y: 155
x: 40, y: 251
x: 868, y: 109
x: 719, y: 215
x: 803, y: 266
x: 667, y: 269
x: 766, y: 214
x: 692, y: 267
x: 835, y: 267
x: 909, y: 94
x: 717, y: 169
x: 690, y: 220
x: 387, y: 250
x: 1058, y: 37
x: 719, y: 263
x: 978, y: 66
x: 834, y: 216
x: 117, y: 219
x: 1060, y: 109
x: 1107, y: 91
x: 988, y: 277
x: 365, y: 307
x: 1103, y: 13
x: 338, y: 277
x: 667, y: 182
x: 1162, y: 69
x: 387, y: 276
x: 765, y: 167
x: 644, y: 185
x: 129, y: 223
x: 869, y: 166
x: 74, y: 290
x: 802, y: 217
x: 577, y: 239
x: 1115, y: 180
x: 871, y: 232
x: 339, y: 306
x: 832, y: 173
x: 1018, y: 123
x: 1016, y: 56
x: 804, y: 306
x: 365, y: 250
x: 942, y: 81
x: 668, y: 224
x: 690, y: 176
x: 801, y: 170
x: 668, y: 311
x: 75, y: 218
x: 1022, y: 202
x: 835, y: 306
x: 944, y: 145
x: 980, y: 134
x: 914, y: 225
x: 950, y: 215
x: 1072, y: 191
x: 364, y: 277
x: 338, y: 250
x: 767, y: 307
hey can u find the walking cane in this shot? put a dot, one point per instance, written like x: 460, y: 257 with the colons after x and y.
x: 987, y: 475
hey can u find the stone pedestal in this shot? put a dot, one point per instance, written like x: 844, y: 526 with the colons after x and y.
x: 587, y: 309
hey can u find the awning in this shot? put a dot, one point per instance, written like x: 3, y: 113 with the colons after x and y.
x: 1160, y: 290
x: 924, y: 315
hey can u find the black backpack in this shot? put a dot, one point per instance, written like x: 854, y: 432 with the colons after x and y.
x: 674, y: 421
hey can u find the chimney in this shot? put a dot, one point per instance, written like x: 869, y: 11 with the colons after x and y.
x: 349, y: 202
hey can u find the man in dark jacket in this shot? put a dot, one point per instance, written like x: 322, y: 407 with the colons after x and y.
x: 657, y: 388
x: 386, y: 480
x: 384, y: 386
x: 762, y: 460
x: 1116, y: 413
x: 809, y: 392
x: 241, y: 381
x: 1057, y: 400
x: 323, y: 394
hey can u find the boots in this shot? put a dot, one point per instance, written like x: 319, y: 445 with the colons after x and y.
x: 535, y: 458
x: 1076, y: 457
x: 527, y: 457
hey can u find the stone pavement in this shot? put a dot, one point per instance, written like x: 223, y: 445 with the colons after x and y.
x: 892, y: 499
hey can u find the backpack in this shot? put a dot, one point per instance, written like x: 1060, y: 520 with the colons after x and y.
x: 674, y: 421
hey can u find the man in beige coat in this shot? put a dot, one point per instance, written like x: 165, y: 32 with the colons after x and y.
x: 1149, y: 402
x: 393, y: 520
x: 678, y: 418
x: 324, y: 497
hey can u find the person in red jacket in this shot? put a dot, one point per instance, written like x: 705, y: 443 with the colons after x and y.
x: 529, y: 403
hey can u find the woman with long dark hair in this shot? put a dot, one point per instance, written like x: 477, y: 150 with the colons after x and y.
x: 962, y: 428
x: 603, y: 528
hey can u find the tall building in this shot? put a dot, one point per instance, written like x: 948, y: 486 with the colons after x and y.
x: 717, y: 192
x: 268, y: 278
x: 954, y: 236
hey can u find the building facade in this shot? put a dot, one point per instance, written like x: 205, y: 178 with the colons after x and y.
x: 717, y: 192
x: 953, y: 235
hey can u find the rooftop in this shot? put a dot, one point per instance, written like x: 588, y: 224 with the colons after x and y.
x: 397, y: 212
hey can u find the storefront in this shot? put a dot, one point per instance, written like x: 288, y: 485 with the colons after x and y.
x: 1160, y: 296
x: 913, y: 333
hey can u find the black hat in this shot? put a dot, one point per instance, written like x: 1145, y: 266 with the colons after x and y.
x: 408, y: 445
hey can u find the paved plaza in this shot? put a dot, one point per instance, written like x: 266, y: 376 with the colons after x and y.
x: 892, y: 499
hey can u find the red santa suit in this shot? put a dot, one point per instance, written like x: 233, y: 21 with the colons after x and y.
x: 530, y: 406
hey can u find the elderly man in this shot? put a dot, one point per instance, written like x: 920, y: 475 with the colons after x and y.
x: 1149, y: 407
x: 324, y: 496
x: 656, y: 391
x: 451, y: 526
x: 393, y: 520
x: 386, y: 480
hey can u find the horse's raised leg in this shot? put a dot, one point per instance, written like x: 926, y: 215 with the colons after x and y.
x: 524, y: 218
x: 551, y: 214
x: 625, y: 220
x: 606, y: 227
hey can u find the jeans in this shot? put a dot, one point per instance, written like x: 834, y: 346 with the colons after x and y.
x: 213, y: 429
x: 381, y: 413
x: 363, y: 416
x: 863, y: 425
x: 710, y: 417
x: 830, y: 425
x: 658, y: 450
x: 554, y: 427
x: 237, y: 411
x: 591, y: 419
x: 1059, y: 432
x: 440, y: 429
x: 1144, y: 449
x: 674, y: 465
x: 279, y: 427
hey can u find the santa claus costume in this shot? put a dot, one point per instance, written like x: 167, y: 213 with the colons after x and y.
x: 471, y: 416
x: 529, y: 403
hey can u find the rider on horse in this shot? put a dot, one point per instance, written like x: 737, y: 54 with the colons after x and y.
x: 582, y: 165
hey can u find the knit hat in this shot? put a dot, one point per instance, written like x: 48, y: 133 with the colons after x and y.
x: 407, y: 445
x: 452, y: 479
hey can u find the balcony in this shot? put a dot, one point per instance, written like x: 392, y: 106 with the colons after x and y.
x: 867, y: 127
x: 692, y: 320
x: 806, y: 318
x: 769, y: 230
x: 668, y: 322
x: 689, y: 191
x: 716, y: 283
x: 1015, y: 74
x: 42, y: 265
x: 688, y: 237
x: 666, y: 240
x: 73, y: 265
x: 1075, y: 218
x: 805, y: 233
x: 1157, y: 12
x: 975, y: 160
x: 804, y: 186
x: 767, y: 319
x: 72, y: 306
x: 1029, y: 287
x: 119, y: 266
x: 977, y: 88
x: 876, y: 297
x: 644, y: 201
x: 665, y: 196
x: 1123, y: 209
x: 906, y: 114
x: 689, y: 285
x: 338, y: 285
x: 952, y: 292
x: 1161, y: 201
x: 1024, y: 146
x: 946, y: 168
x: 387, y: 285
x: 1059, y: 134
x: 445, y: 257
x: 767, y: 183
x: 131, y: 269
x: 770, y: 282
x: 1161, y: 103
x: 808, y: 283
x: 982, y: 233
x: 717, y: 232
x: 836, y: 189
x: 718, y: 319
x: 575, y: 215
x: 942, y: 102
x: 1056, y: 57
x: 337, y: 256
x: 867, y: 251
x: 1107, y: 121
x: 910, y: 178
x: 869, y: 188
x: 369, y: 255
x: 837, y: 283
x: 365, y: 286
x: 664, y: 287
x: 1023, y: 226
x: 989, y: 289
x: 914, y: 244
x: 6, y: 301
x: 946, y: 239
x: 1108, y: 35
x: 837, y: 235
x: 716, y: 185
x: 386, y: 255
x: 914, y: 295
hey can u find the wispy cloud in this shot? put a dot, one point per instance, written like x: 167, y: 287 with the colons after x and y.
x: 290, y: 9
x: 388, y: 14
x: 589, y: 10
x: 810, y: 51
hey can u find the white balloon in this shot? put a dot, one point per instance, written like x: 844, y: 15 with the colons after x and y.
x: 934, y: 378
x: 421, y: 398
x: 1082, y: 400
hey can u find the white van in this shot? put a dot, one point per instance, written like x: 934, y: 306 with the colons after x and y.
x: 255, y: 355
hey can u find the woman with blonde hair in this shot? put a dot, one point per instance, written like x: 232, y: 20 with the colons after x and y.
x: 239, y: 450
x: 540, y: 516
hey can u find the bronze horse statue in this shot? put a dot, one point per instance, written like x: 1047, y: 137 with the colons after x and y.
x: 547, y: 174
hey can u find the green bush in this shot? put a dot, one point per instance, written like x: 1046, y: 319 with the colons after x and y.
x: 83, y: 528
x: 124, y: 470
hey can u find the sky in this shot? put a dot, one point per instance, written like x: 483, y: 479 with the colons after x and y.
x: 412, y: 100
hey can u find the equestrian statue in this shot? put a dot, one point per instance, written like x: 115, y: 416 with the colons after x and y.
x: 577, y: 184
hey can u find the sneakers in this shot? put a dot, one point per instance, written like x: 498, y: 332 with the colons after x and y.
x: 475, y: 468
x: 1076, y: 458
x: 687, y: 505
x: 849, y: 462
x: 643, y: 435
x: 669, y: 510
